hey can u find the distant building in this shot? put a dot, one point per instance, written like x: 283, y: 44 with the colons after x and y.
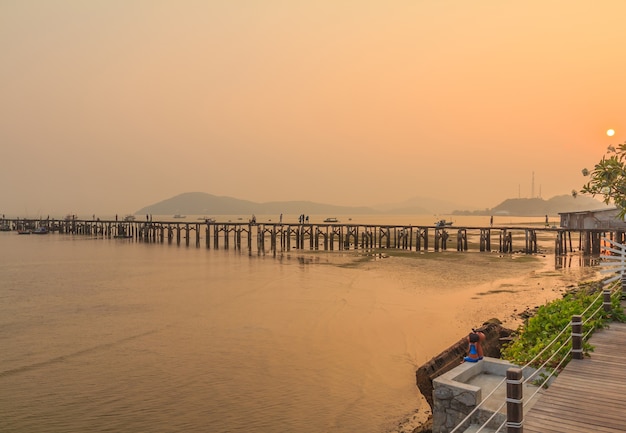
x: 592, y: 219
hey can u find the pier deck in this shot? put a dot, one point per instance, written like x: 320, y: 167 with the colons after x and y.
x: 589, y: 394
x: 273, y: 237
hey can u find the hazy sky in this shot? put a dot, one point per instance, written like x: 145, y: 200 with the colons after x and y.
x: 108, y: 106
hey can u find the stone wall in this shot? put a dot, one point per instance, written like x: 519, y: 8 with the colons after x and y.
x: 455, y: 397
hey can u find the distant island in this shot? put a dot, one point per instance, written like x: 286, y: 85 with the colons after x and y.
x: 200, y: 203
x: 539, y: 207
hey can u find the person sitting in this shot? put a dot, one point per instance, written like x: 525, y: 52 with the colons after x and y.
x: 475, y: 348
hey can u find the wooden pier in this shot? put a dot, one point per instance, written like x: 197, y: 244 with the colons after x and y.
x: 588, y: 395
x: 268, y: 237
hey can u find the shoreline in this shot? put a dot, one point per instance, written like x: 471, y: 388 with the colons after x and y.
x: 475, y: 288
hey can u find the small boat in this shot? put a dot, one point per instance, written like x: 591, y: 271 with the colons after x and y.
x: 209, y: 220
x: 40, y: 231
x: 5, y: 228
x: 129, y: 218
x: 180, y: 216
x: 443, y: 223
x: 331, y: 220
x: 23, y: 232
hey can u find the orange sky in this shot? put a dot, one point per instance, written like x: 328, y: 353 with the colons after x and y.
x: 109, y: 106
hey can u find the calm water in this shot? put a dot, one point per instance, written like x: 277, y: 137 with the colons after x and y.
x: 110, y: 335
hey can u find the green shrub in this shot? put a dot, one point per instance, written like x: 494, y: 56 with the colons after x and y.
x: 550, y: 320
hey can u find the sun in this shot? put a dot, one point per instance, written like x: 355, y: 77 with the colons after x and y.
x: 610, y: 132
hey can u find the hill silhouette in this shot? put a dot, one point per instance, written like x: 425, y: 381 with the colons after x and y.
x: 200, y: 203
x: 540, y: 207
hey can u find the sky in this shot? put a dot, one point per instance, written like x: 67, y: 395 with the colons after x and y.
x: 107, y: 106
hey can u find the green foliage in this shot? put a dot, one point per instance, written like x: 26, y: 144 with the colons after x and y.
x: 608, y: 178
x: 550, y: 320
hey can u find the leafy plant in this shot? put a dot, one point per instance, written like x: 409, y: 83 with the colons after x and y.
x: 550, y: 319
x: 608, y: 178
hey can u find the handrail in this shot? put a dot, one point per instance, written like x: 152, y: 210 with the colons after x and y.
x: 614, y: 285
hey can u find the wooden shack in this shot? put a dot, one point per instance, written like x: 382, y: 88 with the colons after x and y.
x: 592, y: 219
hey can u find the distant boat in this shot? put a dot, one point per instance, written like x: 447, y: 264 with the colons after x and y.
x: 129, y: 218
x: 23, y: 231
x: 180, y: 216
x: 331, y: 220
x: 40, y: 231
x: 443, y: 223
x: 209, y: 220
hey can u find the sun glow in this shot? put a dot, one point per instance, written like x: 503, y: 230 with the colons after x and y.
x: 610, y: 132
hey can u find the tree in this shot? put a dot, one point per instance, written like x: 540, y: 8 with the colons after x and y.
x: 608, y: 178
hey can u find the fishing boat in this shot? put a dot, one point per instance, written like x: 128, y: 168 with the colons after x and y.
x: 180, y: 216
x: 40, y: 231
x: 129, y: 218
x: 23, y: 232
x: 443, y: 223
x: 331, y: 220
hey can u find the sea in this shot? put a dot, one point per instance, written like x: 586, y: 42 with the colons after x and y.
x: 114, y: 335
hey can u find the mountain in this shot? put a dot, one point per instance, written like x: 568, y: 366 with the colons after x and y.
x: 540, y: 207
x: 200, y: 203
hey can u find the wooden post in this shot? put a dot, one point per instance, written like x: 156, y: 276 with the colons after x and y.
x: 577, y: 337
x: 606, y: 295
x: 514, y: 400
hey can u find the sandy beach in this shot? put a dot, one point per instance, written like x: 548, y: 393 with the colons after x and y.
x: 458, y: 292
